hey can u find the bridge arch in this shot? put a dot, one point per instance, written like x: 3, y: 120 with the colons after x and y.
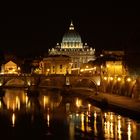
x: 86, y: 82
x: 15, y: 82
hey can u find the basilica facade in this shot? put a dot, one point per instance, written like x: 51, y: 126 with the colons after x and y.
x: 73, y: 47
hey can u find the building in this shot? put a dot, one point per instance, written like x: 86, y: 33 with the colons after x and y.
x: 73, y: 47
x: 57, y: 64
x: 10, y: 68
x: 115, y: 68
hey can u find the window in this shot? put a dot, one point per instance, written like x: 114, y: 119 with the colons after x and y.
x: 60, y: 68
x: 53, y: 68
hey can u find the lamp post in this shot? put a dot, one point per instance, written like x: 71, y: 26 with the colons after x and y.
x: 97, y: 87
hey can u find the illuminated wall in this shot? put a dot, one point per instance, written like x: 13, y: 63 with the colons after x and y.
x: 115, y: 68
x: 56, y: 65
x: 10, y: 68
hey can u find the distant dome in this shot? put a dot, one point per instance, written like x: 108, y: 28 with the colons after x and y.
x: 71, y: 35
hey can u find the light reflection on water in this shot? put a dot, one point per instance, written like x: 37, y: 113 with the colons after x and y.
x: 79, y: 119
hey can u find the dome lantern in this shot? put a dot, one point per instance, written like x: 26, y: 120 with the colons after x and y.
x: 71, y: 37
x: 71, y: 26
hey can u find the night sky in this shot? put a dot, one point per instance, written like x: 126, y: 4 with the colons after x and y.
x: 113, y: 29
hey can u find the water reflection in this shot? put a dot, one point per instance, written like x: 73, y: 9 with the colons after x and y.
x: 51, y: 114
x: 14, y: 98
x: 13, y: 119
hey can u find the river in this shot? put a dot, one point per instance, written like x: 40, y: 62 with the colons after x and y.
x: 53, y: 115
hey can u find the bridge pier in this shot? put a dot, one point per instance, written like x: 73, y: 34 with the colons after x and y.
x: 67, y: 82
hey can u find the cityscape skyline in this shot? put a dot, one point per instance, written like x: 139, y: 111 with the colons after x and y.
x: 72, y: 73
x: 36, y: 34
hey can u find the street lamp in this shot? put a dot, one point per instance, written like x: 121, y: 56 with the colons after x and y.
x: 128, y: 79
x: 48, y: 70
x: 119, y: 79
x: 97, y: 87
x: 111, y: 78
x: 105, y: 78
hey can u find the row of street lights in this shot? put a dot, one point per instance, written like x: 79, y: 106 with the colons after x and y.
x: 118, y: 78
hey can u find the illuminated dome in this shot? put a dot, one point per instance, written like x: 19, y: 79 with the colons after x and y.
x: 71, y: 35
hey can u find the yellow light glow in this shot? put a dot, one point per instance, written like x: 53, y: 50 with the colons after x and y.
x: 105, y: 114
x: 119, y: 129
x: 13, y: 119
x: 77, y: 114
x: 75, y: 68
x: 105, y: 78
x: 48, y: 120
x: 111, y: 117
x: 108, y: 65
x: 29, y: 105
x: 89, y: 106
x: 18, y: 68
x: 128, y: 79
x: 119, y: 117
x: 119, y: 79
x: 95, y: 127
x: 45, y: 101
x: 29, y: 83
x: 0, y: 83
x: 98, y: 83
x: 129, y: 131
x: 78, y: 102
x: 111, y: 78
x: 111, y: 130
x: 95, y: 115
x: 82, y: 122
x: 107, y: 129
x: 26, y: 100
x: 13, y: 107
x: 17, y: 103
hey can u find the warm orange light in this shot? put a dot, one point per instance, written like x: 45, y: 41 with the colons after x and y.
x: 128, y: 79
x: 105, y: 78
x: 119, y: 79
x: 0, y: 83
x: 48, y: 119
x: 78, y: 102
x: 111, y: 78
x: 13, y: 119
x: 89, y: 106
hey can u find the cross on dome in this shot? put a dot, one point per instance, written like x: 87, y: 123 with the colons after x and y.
x: 71, y: 26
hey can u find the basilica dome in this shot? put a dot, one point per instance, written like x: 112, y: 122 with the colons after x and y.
x: 71, y: 35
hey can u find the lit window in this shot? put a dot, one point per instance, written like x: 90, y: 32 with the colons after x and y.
x: 53, y: 68
x: 60, y: 68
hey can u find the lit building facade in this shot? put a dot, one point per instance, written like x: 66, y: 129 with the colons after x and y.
x: 115, y: 68
x: 57, y: 64
x: 10, y: 68
x: 73, y: 47
x: 114, y: 65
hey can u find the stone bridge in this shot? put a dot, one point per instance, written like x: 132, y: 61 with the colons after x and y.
x: 124, y: 88
x: 72, y: 80
x: 24, y: 80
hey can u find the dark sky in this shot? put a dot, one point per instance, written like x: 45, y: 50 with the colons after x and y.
x: 108, y: 28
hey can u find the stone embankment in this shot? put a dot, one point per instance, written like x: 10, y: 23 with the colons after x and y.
x: 121, y: 104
